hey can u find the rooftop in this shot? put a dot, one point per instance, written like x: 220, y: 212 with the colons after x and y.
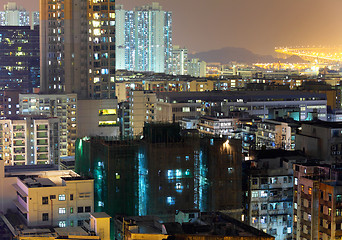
x: 319, y: 123
x: 244, y: 96
x: 100, y: 215
x: 208, y: 224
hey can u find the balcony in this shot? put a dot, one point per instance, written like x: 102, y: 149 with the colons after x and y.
x: 19, y: 135
x: 42, y: 157
x: 19, y: 143
x: 42, y: 149
x: 42, y: 135
x: 42, y: 127
x: 42, y: 142
x: 19, y: 157
x: 19, y: 150
x: 18, y: 128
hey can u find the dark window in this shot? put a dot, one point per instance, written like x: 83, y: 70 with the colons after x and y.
x: 79, y: 223
x: 80, y: 209
x: 87, y: 209
x: 191, y: 215
x: 254, y: 181
x: 329, y: 197
x: 71, y: 197
x: 45, y: 217
x: 52, y: 196
x: 45, y: 200
x: 264, y: 181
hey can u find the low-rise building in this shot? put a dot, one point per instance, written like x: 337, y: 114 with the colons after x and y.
x: 98, y: 228
x: 43, y: 196
x: 217, y: 126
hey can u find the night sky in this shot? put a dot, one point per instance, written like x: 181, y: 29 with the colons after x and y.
x: 258, y: 25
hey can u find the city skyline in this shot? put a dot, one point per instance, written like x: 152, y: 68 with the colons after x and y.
x: 260, y: 27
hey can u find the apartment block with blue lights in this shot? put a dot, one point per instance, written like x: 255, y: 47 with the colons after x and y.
x: 144, y: 39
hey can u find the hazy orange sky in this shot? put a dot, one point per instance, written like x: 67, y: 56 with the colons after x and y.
x: 259, y: 25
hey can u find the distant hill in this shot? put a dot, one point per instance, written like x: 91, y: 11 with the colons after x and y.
x: 240, y: 55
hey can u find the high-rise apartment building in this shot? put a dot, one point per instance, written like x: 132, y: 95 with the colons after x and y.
x: 179, y: 60
x: 63, y: 106
x: 144, y: 39
x: 19, y: 58
x: 29, y: 140
x: 34, y: 19
x: 15, y: 15
x: 196, y: 68
x: 78, y: 47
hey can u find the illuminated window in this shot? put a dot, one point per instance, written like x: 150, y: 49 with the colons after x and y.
x: 263, y: 194
x: 178, y: 173
x: 61, y: 210
x: 255, y: 194
x: 186, y: 109
x: 107, y: 123
x: 61, y: 197
x: 170, y: 200
x: 61, y: 224
x: 107, y: 112
x: 310, y: 190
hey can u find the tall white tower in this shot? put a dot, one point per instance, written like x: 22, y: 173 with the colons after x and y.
x: 147, y: 36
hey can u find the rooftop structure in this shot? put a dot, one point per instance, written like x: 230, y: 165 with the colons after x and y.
x: 200, y: 225
x: 97, y: 229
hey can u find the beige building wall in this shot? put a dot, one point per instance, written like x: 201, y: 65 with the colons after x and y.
x: 100, y: 224
x: 97, y: 118
x: 200, y: 85
x: 142, y: 109
x: 61, y: 203
x: 174, y: 112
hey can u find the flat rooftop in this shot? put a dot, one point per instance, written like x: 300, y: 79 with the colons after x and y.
x: 320, y: 123
x: 233, y: 96
x: 208, y: 224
